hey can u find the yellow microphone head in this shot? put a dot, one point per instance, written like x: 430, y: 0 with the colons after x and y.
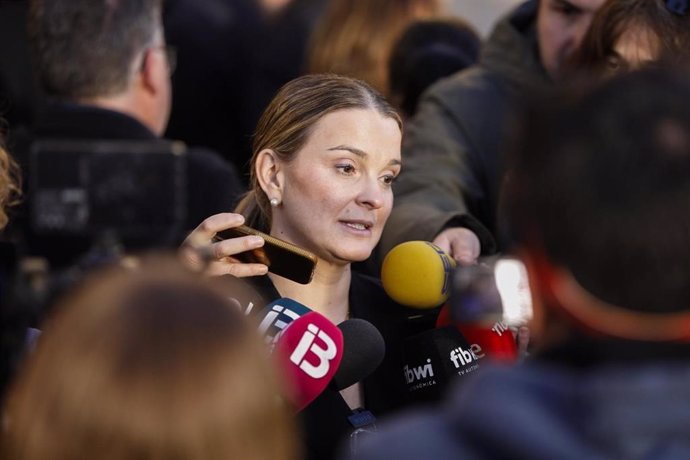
x: 417, y: 274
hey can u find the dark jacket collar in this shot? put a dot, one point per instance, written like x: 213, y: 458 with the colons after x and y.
x: 63, y: 120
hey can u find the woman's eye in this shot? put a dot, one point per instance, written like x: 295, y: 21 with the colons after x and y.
x: 388, y: 179
x: 346, y: 169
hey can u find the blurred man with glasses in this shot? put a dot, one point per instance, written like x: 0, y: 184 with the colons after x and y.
x: 105, y: 69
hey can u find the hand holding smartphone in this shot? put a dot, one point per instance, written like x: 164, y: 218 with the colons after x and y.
x: 282, y: 258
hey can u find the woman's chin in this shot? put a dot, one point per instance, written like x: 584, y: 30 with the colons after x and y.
x: 352, y: 256
x: 360, y: 256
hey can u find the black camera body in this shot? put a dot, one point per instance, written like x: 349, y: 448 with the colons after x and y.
x: 133, y: 189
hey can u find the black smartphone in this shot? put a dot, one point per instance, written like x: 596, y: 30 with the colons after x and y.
x: 282, y: 258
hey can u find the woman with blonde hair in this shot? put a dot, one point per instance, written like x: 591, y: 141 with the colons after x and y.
x: 326, y: 152
x: 150, y: 363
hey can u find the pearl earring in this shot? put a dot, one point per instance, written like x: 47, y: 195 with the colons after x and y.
x: 274, y: 202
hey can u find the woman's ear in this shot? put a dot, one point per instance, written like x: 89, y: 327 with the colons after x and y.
x: 269, y: 173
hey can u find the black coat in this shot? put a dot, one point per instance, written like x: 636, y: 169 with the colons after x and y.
x: 324, y: 422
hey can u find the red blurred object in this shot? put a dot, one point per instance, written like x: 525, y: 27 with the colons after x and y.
x: 496, y: 343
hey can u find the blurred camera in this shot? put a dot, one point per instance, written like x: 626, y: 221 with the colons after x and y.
x: 493, y: 291
x: 85, y: 188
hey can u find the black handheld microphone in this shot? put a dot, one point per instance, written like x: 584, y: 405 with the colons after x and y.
x: 363, y: 351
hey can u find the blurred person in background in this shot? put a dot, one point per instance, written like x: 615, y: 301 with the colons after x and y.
x: 280, y: 55
x: 628, y: 34
x: 19, y: 94
x: 105, y: 68
x: 425, y: 52
x: 151, y: 362
x: 598, y: 200
x: 355, y: 38
x: 483, y: 14
x: 453, y: 147
x: 216, y: 42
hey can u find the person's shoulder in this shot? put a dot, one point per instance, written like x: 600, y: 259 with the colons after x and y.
x: 469, y: 87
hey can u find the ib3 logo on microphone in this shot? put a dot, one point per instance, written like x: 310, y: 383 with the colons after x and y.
x: 323, y: 355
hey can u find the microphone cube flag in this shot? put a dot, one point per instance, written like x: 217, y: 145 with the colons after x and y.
x: 308, y: 352
x: 417, y: 274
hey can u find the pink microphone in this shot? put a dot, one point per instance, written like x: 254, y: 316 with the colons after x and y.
x: 308, y: 351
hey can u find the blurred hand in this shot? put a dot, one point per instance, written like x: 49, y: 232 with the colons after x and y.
x: 201, y: 252
x: 460, y: 243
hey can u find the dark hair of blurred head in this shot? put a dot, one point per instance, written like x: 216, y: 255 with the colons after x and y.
x: 601, y: 183
x: 89, y: 48
x: 648, y: 31
x: 148, y: 363
x: 427, y: 51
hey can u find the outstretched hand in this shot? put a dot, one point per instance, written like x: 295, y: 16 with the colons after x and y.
x: 202, y: 252
x: 460, y: 243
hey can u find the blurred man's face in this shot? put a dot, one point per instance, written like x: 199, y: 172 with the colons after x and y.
x: 561, y: 25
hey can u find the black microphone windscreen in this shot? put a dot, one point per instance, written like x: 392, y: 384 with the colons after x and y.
x: 363, y: 351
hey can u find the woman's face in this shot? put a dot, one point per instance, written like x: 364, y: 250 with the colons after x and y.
x: 337, y: 192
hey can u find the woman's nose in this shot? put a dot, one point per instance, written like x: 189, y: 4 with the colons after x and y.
x: 372, y: 194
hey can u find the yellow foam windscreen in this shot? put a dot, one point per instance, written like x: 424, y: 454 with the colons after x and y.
x: 417, y: 274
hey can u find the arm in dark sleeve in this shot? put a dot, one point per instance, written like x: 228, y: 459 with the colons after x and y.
x: 442, y: 169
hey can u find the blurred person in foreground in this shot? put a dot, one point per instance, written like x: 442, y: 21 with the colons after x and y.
x: 598, y: 197
x: 454, y: 146
x: 151, y: 362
